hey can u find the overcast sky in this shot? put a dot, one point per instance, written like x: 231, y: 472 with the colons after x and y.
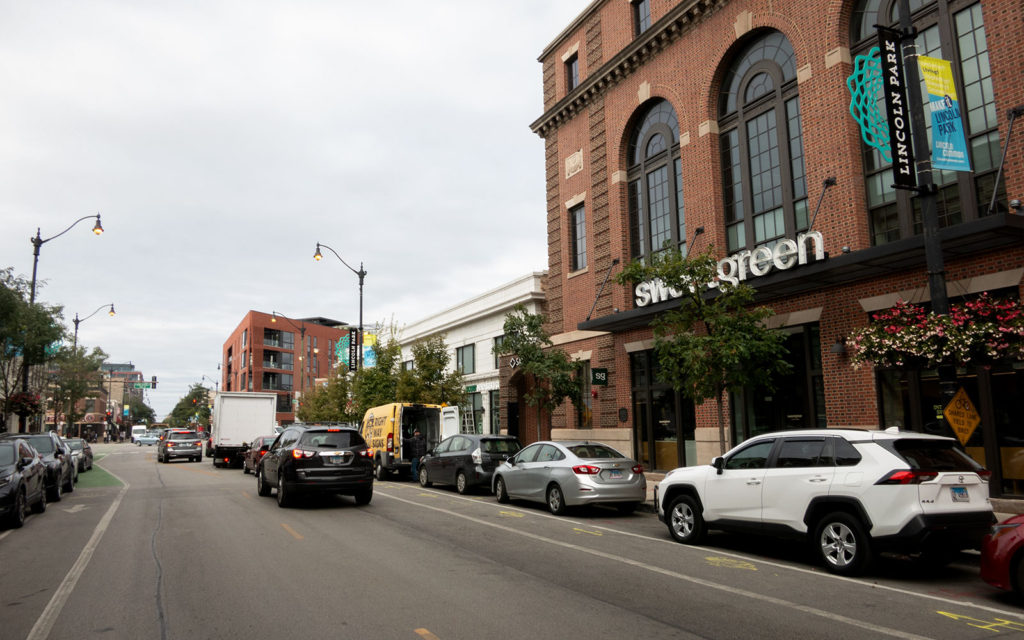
x: 221, y: 140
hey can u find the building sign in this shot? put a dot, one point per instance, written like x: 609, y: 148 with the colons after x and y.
x: 962, y: 416
x: 744, y: 265
x: 599, y: 377
x: 895, y: 94
x: 949, y: 147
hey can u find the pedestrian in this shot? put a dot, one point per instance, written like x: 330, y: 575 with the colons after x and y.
x: 416, y: 448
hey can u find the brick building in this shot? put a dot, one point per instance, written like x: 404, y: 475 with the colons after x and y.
x: 663, y: 117
x: 272, y: 352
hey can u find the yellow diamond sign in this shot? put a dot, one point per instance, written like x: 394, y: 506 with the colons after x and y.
x: 962, y: 416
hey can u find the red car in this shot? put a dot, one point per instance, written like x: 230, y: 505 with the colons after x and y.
x: 1002, y: 559
x: 257, y: 450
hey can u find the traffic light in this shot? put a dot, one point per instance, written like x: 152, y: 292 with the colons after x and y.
x: 194, y: 401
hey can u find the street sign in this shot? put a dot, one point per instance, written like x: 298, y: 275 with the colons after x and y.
x: 142, y: 385
x: 962, y: 416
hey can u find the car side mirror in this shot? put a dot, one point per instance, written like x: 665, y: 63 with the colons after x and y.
x: 718, y: 463
x: 511, y: 461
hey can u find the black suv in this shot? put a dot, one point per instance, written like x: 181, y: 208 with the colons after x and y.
x: 466, y: 460
x: 60, y: 468
x: 316, y: 460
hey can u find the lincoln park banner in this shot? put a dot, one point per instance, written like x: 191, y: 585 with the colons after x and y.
x: 949, y: 146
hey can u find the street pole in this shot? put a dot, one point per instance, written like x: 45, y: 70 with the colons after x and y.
x: 362, y: 275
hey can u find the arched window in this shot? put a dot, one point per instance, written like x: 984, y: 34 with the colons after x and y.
x: 655, y: 173
x: 952, y: 30
x: 762, y: 151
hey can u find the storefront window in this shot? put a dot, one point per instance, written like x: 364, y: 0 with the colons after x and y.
x: 664, y: 422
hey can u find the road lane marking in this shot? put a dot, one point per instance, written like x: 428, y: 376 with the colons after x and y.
x: 425, y: 634
x: 41, y: 629
x: 997, y: 625
x: 730, y: 563
x: 75, y: 509
x: 511, y: 514
x: 772, y: 600
x: 765, y: 563
x: 295, y: 534
x: 593, y: 533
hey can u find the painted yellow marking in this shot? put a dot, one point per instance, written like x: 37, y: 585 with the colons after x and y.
x: 593, y: 533
x: 511, y: 514
x: 426, y: 635
x: 247, y: 494
x: 730, y: 563
x: 295, y: 534
x: 997, y: 625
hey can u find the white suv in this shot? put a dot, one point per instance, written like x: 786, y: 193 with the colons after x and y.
x: 848, y: 492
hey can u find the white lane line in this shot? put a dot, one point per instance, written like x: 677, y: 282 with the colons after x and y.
x: 758, y: 561
x: 43, y: 626
x: 896, y: 633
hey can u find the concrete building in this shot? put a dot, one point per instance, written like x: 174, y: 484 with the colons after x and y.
x: 663, y: 119
x: 471, y: 329
x: 272, y: 352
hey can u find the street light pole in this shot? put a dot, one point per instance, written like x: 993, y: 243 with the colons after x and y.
x: 37, y: 243
x: 362, y: 275
x: 78, y: 321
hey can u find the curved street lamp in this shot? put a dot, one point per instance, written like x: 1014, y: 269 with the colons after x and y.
x: 362, y: 274
x: 78, y: 321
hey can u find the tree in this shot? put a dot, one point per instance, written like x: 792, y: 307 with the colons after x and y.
x: 430, y: 381
x: 191, y: 409
x: 555, y: 375
x: 75, y: 375
x: 140, y: 411
x: 377, y: 385
x: 716, y: 339
x: 331, y: 403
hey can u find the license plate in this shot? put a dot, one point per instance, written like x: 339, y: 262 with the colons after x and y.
x: 335, y: 459
x: 615, y: 474
x: 960, y: 494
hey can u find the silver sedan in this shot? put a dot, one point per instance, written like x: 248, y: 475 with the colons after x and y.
x: 566, y: 474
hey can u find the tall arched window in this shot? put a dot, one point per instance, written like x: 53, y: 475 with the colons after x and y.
x: 952, y: 30
x: 763, y: 178
x: 655, y: 174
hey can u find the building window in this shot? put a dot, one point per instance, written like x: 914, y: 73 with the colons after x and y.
x: 284, y: 403
x: 494, y: 403
x: 279, y: 339
x: 578, y: 226
x: 763, y: 177
x: 951, y: 30
x: 277, y: 381
x: 465, y: 359
x: 277, y: 360
x: 408, y: 365
x: 641, y: 16
x: 572, y: 72
x: 496, y: 350
x: 584, y: 413
x: 245, y: 337
x: 655, y: 182
x: 473, y: 414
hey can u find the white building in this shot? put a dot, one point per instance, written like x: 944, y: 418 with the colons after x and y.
x: 471, y: 328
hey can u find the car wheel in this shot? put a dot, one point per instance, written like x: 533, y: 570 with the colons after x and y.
x: 364, y: 496
x: 69, y: 486
x: 245, y: 469
x: 685, y: 521
x: 262, y: 488
x: 461, y: 484
x: 842, y: 544
x: 424, y: 480
x: 56, y: 492
x: 284, y: 497
x: 379, y: 471
x: 40, y: 505
x: 17, y: 517
x: 556, y: 501
x: 500, y: 491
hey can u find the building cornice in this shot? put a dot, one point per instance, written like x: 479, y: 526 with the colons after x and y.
x: 664, y: 32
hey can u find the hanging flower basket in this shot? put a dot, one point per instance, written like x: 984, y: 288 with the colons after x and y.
x: 980, y: 332
x: 23, y: 404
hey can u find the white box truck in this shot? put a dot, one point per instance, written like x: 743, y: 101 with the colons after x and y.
x: 239, y: 417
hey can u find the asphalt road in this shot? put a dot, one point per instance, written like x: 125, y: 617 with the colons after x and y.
x: 184, y: 550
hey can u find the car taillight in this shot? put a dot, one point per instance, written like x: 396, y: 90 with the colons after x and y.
x: 300, y: 453
x: 391, y: 443
x: 228, y: 460
x: 262, y: 453
x: 638, y: 469
x: 199, y: 443
x: 985, y: 475
x: 477, y: 458
x: 366, y: 453
x: 586, y: 470
x: 907, y: 476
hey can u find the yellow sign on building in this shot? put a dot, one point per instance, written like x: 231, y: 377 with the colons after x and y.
x: 962, y: 416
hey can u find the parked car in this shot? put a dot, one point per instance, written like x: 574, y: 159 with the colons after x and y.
x: 149, y: 438
x: 466, y: 460
x: 81, y: 452
x: 850, y: 493
x: 69, y: 454
x: 22, y: 481
x: 257, y: 450
x: 316, y: 460
x: 60, y: 472
x: 1002, y: 559
x: 180, y: 443
x: 566, y: 474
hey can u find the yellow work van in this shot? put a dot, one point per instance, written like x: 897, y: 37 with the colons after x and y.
x: 386, y: 428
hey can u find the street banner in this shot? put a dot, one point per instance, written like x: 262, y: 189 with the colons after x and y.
x: 904, y: 173
x: 949, y: 146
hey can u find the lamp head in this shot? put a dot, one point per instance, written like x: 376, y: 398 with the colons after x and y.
x: 111, y: 312
x: 318, y: 256
x: 98, y: 228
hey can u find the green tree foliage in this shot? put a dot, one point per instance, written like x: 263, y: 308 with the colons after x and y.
x: 331, y: 403
x: 374, y: 386
x: 75, y: 375
x: 430, y: 381
x: 192, y: 409
x: 555, y: 375
x: 716, y: 339
x: 140, y: 411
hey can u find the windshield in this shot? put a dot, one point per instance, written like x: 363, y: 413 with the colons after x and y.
x: 43, y: 444
x: 594, y: 451
x: 6, y: 454
x: 504, y: 445
x: 934, y: 455
x: 331, y: 439
x: 76, y: 445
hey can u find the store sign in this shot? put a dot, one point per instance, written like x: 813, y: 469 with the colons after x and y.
x: 599, y: 377
x: 949, y: 146
x: 745, y: 265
